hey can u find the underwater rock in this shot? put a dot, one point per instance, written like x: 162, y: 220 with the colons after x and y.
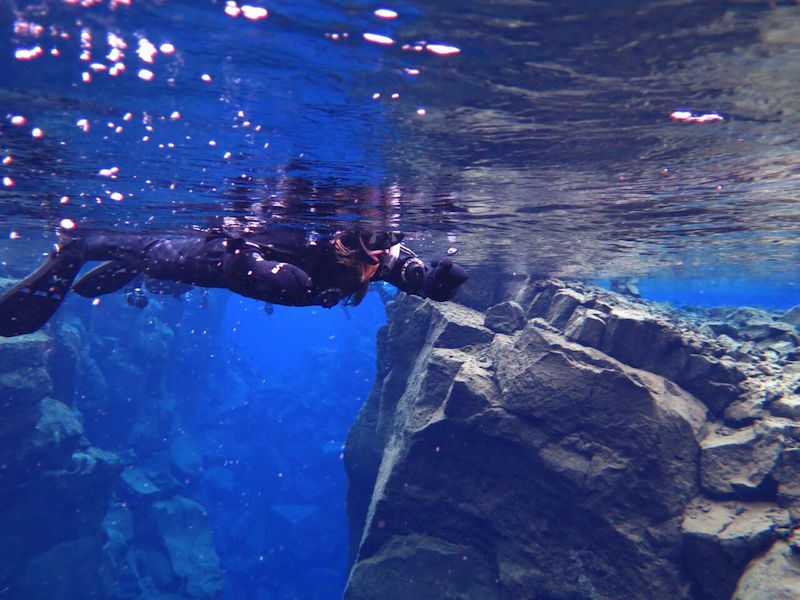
x: 506, y: 317
x: 103, y: 529
x: 499, y: 428
x: 185, y: 532
x: 544, y: 291
x: 43, y: 433
x: 118, y: 524
x: 565, y: 301
x: 452, y: 330
x: 719, y: 539
x: 772, y: 331
x: 62, y: 505
x: 23, y: 351
x: 723, y: 328
x: 622, y: 445
x: 774, y: 576
x: 137, y: 483
x: 628, y: 335
x: 787, y: 478
x: 469, y: 576
x: 72, y: 569
x: 53, y: 482
x: 59, y: 429
x: 745, y: 410
x: 739, y: 463
x: 586, y: 326
x: 185, y: 456
x: 792, y: 316
x: 23, y: 369
x: 63, y: 362
x: 786, y: 406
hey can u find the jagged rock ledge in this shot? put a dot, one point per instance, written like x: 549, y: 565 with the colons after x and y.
x: 568, y: 442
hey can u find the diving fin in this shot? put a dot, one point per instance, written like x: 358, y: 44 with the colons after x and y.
x: 104, y: 279
x: 30, y: 303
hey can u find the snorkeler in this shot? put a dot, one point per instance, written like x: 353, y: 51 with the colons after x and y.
x: 279, y: 267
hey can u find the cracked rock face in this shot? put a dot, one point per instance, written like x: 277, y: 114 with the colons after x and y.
x: 568, y: 442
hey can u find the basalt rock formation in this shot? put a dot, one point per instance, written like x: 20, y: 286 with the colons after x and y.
x: 560, y: 441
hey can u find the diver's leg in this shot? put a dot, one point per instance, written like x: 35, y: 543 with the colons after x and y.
x: 122, y: 255
x: 104, y: 279
x: 122, y: 248
x: 30, y: 303
x: 190, y: 259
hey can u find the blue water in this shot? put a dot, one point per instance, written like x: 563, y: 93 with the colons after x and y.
x: 535, y: 137
x: 249, y: 411
x: 287, y: 478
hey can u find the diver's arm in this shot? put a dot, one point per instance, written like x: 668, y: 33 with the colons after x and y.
x: 248, y: 273
x: 403, y: 269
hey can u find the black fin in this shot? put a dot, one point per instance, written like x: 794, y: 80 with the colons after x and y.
x: 104, y: 279
x: 30, y: 303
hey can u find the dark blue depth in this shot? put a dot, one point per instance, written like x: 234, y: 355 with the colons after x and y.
x: 247, y: 416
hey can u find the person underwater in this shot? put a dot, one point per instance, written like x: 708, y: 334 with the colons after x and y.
x: 285, y: 267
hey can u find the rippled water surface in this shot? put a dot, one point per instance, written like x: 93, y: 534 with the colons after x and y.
x: 557, y: 136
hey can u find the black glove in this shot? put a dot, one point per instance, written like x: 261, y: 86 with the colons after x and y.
x: 290, y: 284
x: 443, y: 278
x: 249, y: 274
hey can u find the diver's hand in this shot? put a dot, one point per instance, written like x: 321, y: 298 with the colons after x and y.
x: 249, y: 274
x: 443, y: 279
x: 293, y: 283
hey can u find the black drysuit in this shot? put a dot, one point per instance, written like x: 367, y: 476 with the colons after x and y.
x: 279, y: 266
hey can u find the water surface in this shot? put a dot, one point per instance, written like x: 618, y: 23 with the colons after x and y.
x: 534, y: 134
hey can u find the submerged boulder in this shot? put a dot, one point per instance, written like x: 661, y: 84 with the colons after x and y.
x: 506, y: 317
x: 72, y: 569
x: 510, y: 440
x: 23, y: 371
x: 740, y: 462
x: 720, y: 538
x: 185, y: 532
x: 589, y: 441
x: 773, y: 576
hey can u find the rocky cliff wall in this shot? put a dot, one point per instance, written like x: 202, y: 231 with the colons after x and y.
x: 567, y: 442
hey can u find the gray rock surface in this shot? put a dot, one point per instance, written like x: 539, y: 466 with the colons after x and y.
x: 792, y: 316
x: 505, y: 317
x: 720, y: 538
x: 185, y: 532
x: 632, y: 449
x: 739, y: 462
x: 774, y: 576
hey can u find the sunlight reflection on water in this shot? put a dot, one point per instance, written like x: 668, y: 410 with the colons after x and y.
x: 558, y: 137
